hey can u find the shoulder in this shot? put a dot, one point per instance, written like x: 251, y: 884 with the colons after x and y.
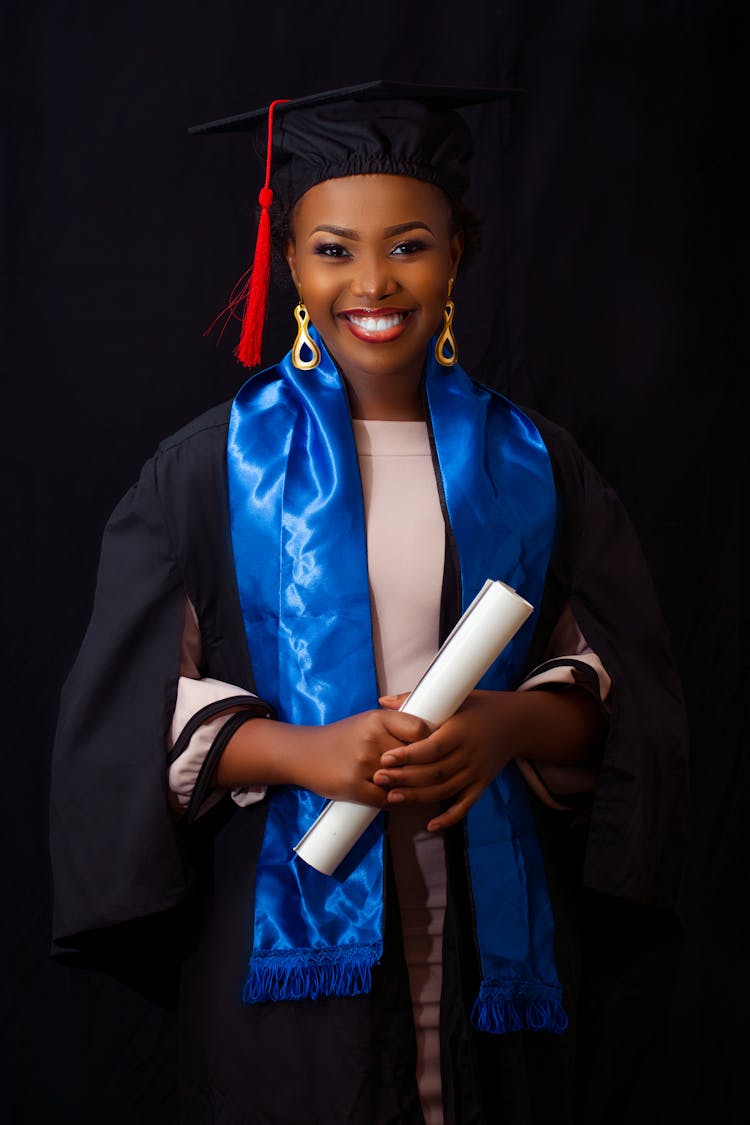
x: 568, y: 459
x: 184, y: 477
x: 193, y: 458
x: 588, y: 501
x: 207, y: 431
x: 590, y: 510
x: 570, y: 466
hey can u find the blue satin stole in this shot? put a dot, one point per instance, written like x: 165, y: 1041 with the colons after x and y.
x: 298, y: 535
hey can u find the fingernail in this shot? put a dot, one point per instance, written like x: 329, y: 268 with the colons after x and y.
x: 389, y: 760
x: 394, y: 798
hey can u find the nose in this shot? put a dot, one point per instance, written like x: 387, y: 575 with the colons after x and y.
x: 373, y: 279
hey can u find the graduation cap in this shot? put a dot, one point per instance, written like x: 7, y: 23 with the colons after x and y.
x: 380, y: 127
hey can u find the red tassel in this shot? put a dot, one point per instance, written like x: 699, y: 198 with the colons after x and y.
x: 253, y: 286
x: 251, y: 337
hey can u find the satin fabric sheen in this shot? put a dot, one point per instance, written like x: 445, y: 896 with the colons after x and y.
x: 298, y: 534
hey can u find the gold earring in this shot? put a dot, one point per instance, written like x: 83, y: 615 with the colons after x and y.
x: 446, y: 350
x: 304, y: 340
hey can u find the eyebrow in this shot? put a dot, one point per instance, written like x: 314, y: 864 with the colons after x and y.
x: 389, y: 232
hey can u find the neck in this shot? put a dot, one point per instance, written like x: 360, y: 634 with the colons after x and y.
x: 401, y: 401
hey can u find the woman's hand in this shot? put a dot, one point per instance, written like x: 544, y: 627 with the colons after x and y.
x: 389, y: 757
x: 459, y: 760
x: 337, y: 760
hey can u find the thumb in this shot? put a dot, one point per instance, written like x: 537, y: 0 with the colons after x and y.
x: 393, y: 702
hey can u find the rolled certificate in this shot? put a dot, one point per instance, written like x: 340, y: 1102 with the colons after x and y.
x: 481, y: 634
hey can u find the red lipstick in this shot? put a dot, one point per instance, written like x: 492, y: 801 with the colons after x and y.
x: 376, y: 326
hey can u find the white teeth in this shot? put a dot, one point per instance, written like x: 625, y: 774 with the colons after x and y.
x: 377, y: 323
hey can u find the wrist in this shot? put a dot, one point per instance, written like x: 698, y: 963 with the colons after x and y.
x: 564, y: 727
x: 263, y: 752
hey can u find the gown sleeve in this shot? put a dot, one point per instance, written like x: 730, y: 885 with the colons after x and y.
x: 637, y: 838
x: 569, y: 662
x: 198, y: 734
x: 118, y: 852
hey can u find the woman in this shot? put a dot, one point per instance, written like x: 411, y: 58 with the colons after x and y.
x: 296, y: 559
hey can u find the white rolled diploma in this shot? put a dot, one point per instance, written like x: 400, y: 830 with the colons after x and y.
x: 478, y: 638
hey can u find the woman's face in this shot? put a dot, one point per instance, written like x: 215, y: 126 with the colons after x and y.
x: 372, y: 257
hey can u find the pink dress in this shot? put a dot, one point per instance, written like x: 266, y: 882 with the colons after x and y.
x: 406, y: 557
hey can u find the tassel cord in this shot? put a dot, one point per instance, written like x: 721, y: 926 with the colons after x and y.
x: 251, y: 290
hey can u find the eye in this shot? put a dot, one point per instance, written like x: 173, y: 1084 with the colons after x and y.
x: 412, y: 246
x: 330, y: 250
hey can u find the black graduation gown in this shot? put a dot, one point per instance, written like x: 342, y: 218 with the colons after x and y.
x: 130, y: 880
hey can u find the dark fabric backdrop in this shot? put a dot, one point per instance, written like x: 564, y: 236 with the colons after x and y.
x: 607, y: 296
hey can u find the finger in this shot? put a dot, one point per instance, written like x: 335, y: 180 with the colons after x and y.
x: 445, y: 791
x: 429, y: 776
x: 370, y: 794
x: 418, y: 751
x: 382, y: 781
x: 457, y: 810
x: 406, y: 728
x: 393, y: 702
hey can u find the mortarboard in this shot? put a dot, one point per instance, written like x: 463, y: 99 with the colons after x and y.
x: 379, y: 127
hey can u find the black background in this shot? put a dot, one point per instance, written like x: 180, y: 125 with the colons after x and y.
x: 607, y: 296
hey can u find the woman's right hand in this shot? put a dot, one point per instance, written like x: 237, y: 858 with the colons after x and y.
x: 337, y: 760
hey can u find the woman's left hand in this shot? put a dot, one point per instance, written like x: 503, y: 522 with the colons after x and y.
x: 459, y: 759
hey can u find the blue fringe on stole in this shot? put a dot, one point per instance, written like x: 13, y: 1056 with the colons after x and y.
x: 307, y: 974
x: 518, y: 1006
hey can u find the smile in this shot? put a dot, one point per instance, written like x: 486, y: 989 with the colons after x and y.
x: 376, y: 325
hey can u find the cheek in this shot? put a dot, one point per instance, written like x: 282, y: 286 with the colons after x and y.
x: 431, y: 279
x: 433, y: 294
x: 319, y: 285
